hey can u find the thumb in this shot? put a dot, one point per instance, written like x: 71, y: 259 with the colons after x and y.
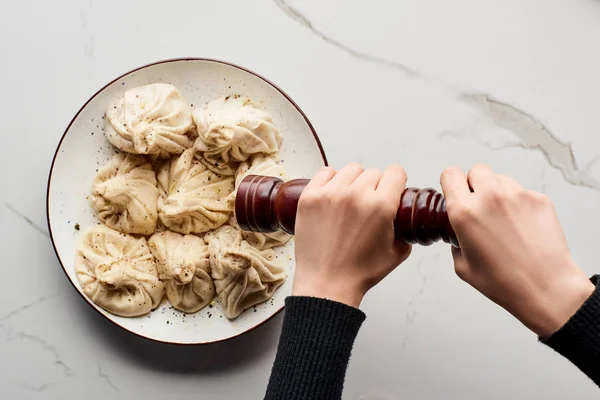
x: 402, y: 251
x: 461, y: 267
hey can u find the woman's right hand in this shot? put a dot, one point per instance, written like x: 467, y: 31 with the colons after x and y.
x: 345, y: 241
x: 512, y: 248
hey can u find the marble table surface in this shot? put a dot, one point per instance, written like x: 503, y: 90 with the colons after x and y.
x: 423, y: 83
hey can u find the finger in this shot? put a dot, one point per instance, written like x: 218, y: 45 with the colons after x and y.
x: 460, y: 264
x: 509, y: 183
x: 456, y: 253
x: 454, y: 186
x: 368, y: 180
x: 346, y: 176
x: 403, y: 251
x: 540, y: 197
x: 392, y: 183
x: 321, y: 178
x: 481, y: 177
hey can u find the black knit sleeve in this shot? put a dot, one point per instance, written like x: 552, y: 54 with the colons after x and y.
x: 579, y: 339
x: 314, y: 349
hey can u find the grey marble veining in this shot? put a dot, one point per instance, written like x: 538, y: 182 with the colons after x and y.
x: 532, y: 133
x: 298, y: 17
x: 26, y: 219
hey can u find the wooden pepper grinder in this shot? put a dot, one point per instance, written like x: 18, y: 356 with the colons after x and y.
x: 267, y: 204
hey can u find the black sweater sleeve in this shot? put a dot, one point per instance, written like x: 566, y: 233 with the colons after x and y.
x: 314, y: 349
x: 579, y: 339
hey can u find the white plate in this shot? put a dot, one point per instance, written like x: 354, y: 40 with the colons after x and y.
x: 83, y: 149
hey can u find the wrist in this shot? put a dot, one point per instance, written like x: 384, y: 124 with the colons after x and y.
x: 321, y: 288
x: 560, y: 305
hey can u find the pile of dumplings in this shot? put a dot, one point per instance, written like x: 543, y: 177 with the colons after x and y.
x: 166, y: 206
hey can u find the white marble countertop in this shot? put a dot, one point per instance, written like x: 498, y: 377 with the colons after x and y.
x: 424, y: 83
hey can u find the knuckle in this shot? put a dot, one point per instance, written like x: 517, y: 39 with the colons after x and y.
x: 461, y: 215
x: 354, y: 166
x: 326, y: 169
x: 447, y: 175
x: 516, y: 196
x: 374, y: 172
x: 478, y: 168
x: 343, y: 197
x: 448, y: 171
x: 360, y: 203
x: 495, y: 196
x: 509, y: 198
x: 540, y: 198
x: 522, y: 195
x: 310, y: 199
x: 399, y: 170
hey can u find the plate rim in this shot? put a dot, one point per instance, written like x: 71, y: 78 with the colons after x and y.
x: 166, y: 61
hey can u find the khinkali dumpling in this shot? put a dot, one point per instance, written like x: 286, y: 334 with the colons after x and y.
x: 260, y: 164
x: 151, y: 119
x: 193, y: 199
x: 261, y: 241
x: 243, y: 275
x: 118, y: 272
x: 184, y: 267
x: 230, y: 130
x: 125, y: 194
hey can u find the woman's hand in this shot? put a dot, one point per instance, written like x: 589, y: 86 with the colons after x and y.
x: 512, y: 248
x: 345, y: 232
